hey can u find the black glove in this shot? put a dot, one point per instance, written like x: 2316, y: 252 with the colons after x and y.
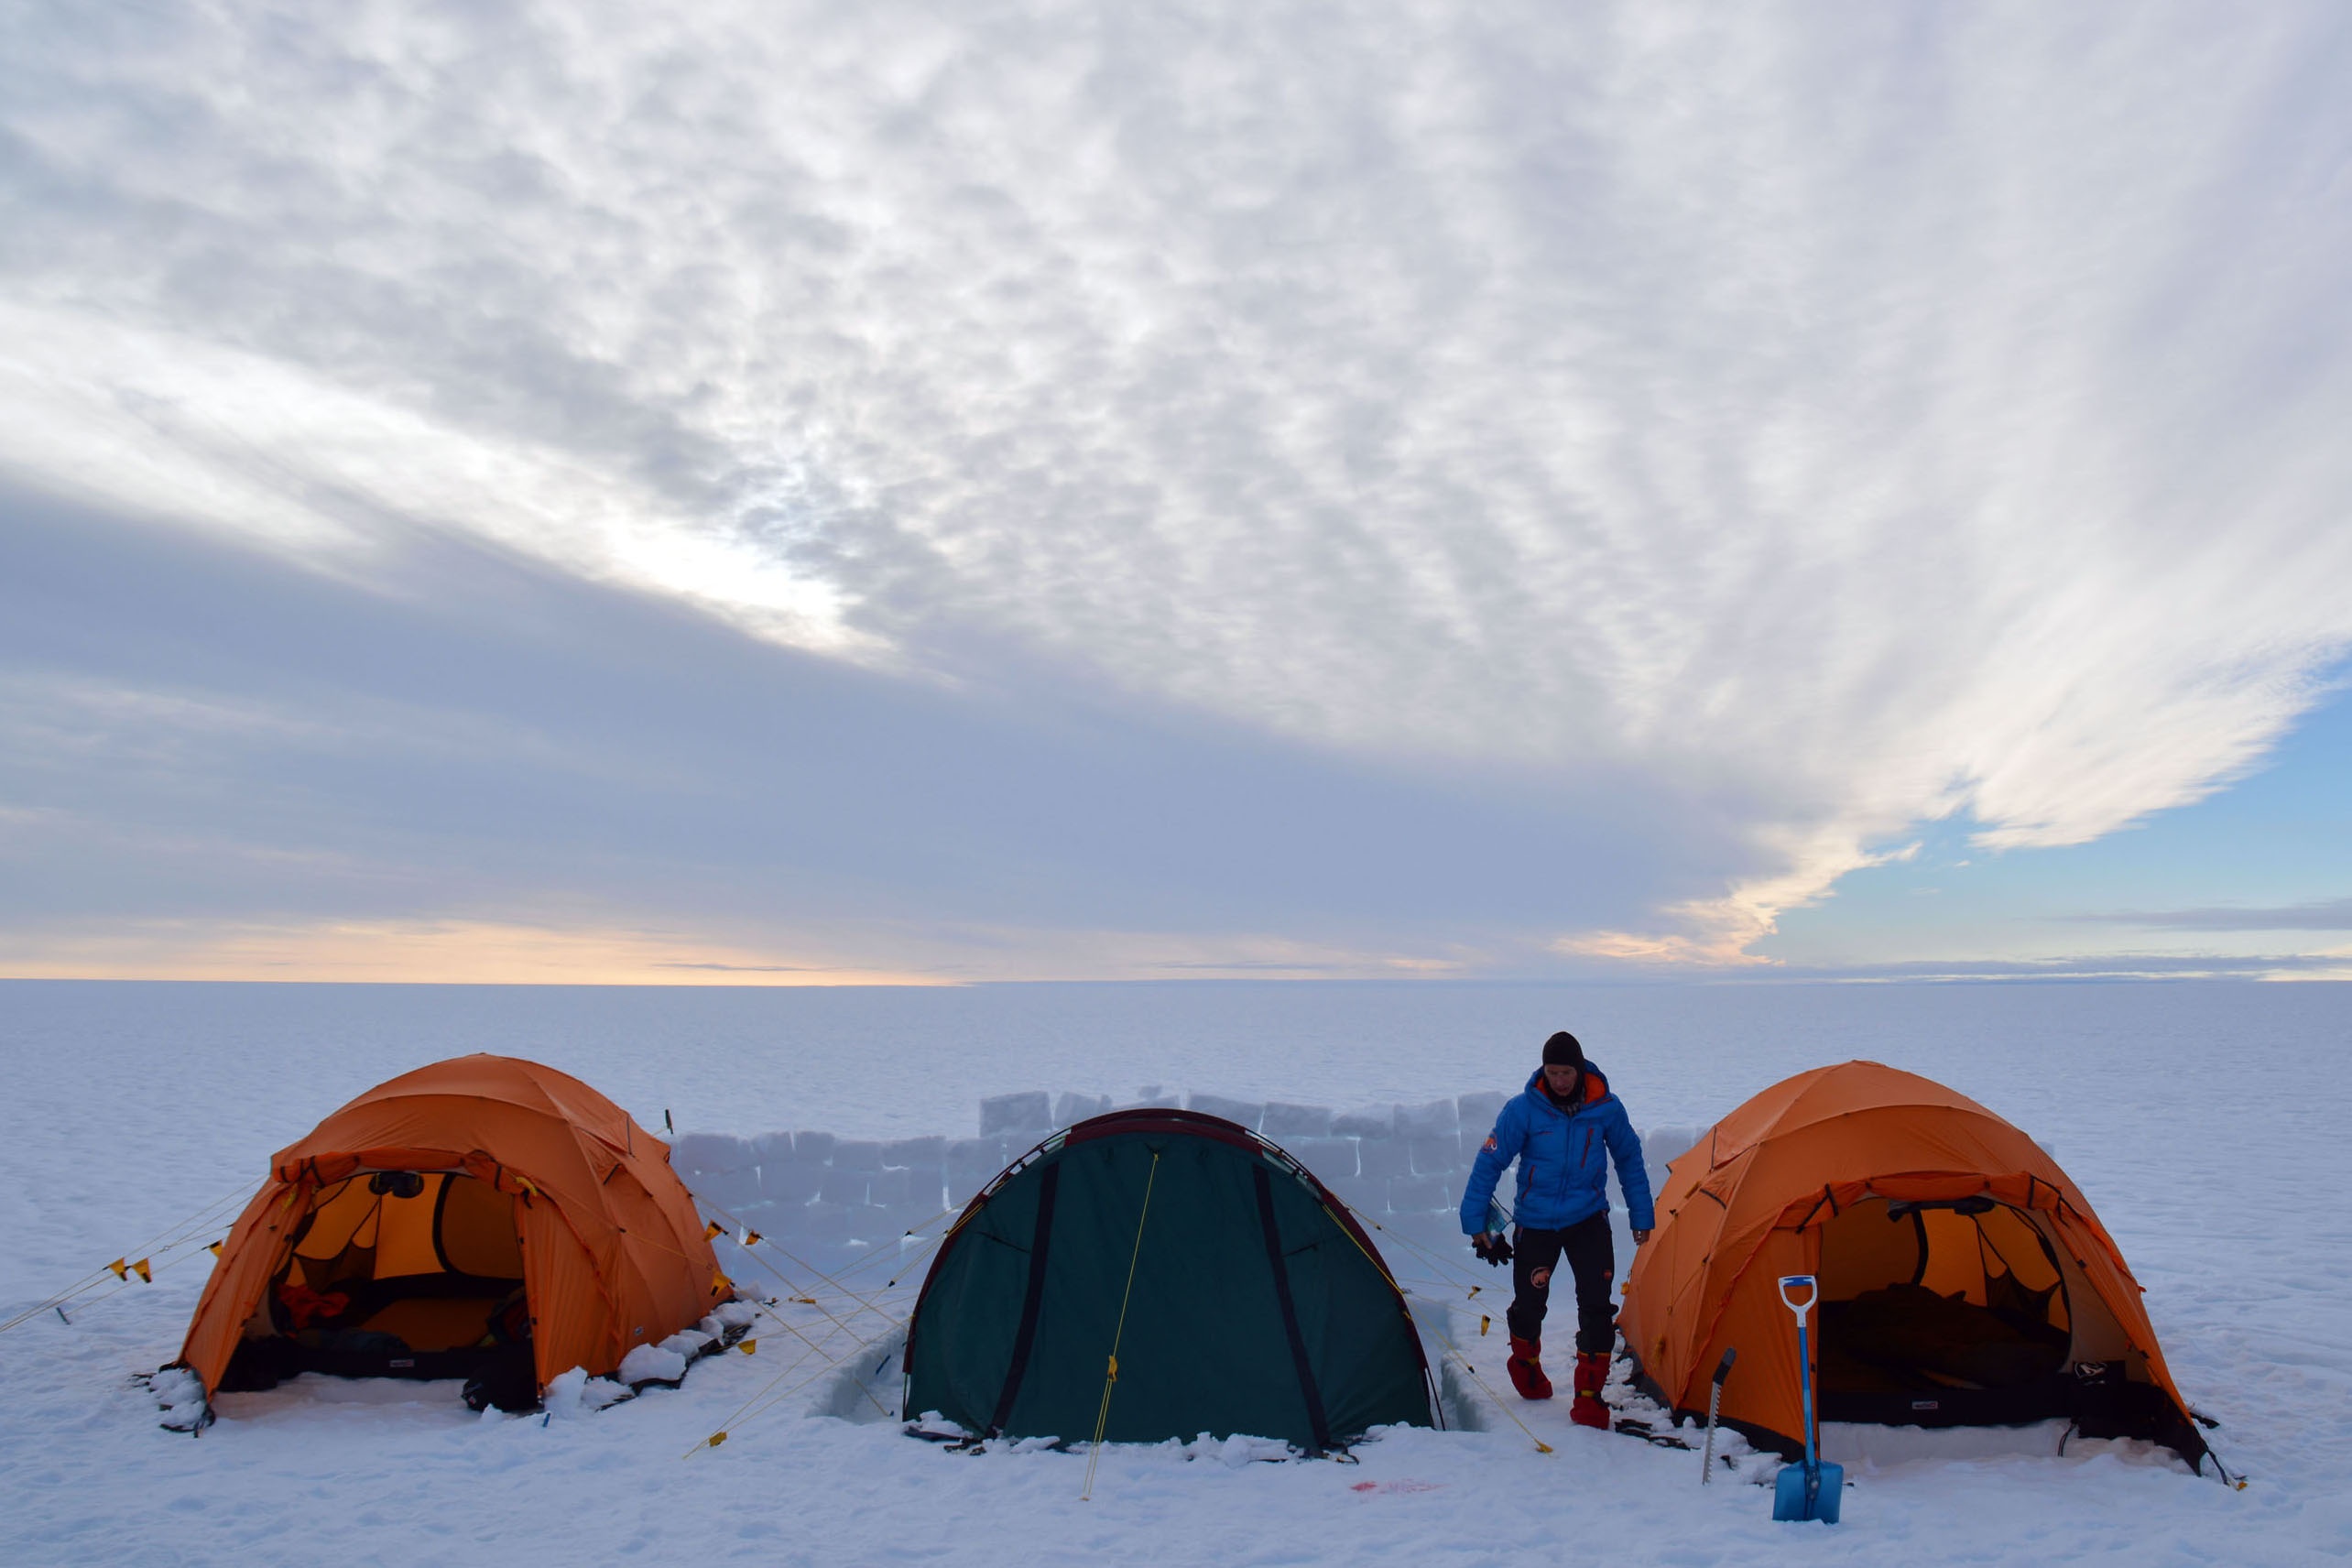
x: 1492, y: 1246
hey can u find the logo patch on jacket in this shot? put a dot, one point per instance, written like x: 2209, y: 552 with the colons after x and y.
x: 1491, y: 1144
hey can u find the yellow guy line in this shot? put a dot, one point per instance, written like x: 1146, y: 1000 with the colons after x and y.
x: 766, y: 1404
x: 792, y: 1289
x: 1447, y: 1339
x: 880, y: 1255
x: 1540, y: 1447
x: 1441, y: 1262
x: 126, y: 1285
x: 1103, y: 1417
x: 169, y: 1238
x: 822, y: 1349
x: 803, y: 1263
x: 814, y: 1347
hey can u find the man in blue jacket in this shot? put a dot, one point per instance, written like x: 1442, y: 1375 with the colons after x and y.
x: 1563, y: 1129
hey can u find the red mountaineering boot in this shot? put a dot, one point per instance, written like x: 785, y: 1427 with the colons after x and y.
x: 1526, y: 1371
x: 1592, y: 1376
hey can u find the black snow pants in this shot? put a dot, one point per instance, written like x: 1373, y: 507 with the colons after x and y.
x: 1591, y: 1253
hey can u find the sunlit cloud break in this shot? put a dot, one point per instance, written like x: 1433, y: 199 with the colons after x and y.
x: 1850, y: 419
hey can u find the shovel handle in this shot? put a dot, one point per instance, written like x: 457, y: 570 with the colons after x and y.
x: 1812, y: 1289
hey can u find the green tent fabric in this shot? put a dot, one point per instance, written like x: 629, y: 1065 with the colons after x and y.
x: 1258, y: 1305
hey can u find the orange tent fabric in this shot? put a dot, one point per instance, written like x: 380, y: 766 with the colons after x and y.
x: 1750, y: 1202
x: 613, y: 1254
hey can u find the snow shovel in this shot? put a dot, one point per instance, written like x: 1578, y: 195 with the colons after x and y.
x: 1714, y: 1403
x: 1812, y: 1490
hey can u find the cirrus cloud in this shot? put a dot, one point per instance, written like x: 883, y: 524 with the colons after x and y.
x: 1843, y: 418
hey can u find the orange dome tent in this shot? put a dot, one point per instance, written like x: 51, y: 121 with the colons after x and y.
x: 478, y: 1204
x: 1964, y: 1279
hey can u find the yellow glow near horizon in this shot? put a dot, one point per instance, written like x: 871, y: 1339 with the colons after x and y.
x: 458, y: 950
x: 429, y: 953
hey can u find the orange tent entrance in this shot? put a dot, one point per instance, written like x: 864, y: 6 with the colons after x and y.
x: 482, y: 1217
x: 1964, y: 1281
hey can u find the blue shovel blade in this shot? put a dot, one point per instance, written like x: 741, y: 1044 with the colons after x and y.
x: 1789, y: 1494
x: 1792, y: 1499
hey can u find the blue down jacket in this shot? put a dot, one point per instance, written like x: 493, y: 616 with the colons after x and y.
x: 1563, y: 1162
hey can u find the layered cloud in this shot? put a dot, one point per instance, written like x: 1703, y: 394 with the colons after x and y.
x: 2321, y: 915
x: 1793, y: 424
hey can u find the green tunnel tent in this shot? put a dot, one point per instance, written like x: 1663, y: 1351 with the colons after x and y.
x: 1256, y: 1305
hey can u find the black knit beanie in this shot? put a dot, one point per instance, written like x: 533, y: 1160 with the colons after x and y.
x: 1562, y: 1050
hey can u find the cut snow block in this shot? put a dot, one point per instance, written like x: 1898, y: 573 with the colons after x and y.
x: 574, y: 1393
x: 874, y: 1223
x: 857, y: 1154
x: 915, y: 1153
x: 698, y: 1152
x: 1383, y: 1157
x: 1070, y: 1109
x: 1478, y: 1112
x: 1331, y: 1158
x: 930, y: 1208
x: 1152, y: 1097
x: 1013, y: 1116
x: 772, y: 1148
x: 1435, y: 1156
x: 971, y: 1164
x: 749, y: 1264
x: 847, y: 1188
x: 1285, y: 1121
x: 1662, y: 1146
x: 1421, y: 1194
x: 826, y: 1224
x: 790, y: 1183
x: 1424, y: 1121
x: 726, y: 1189
x: 1365, y: 1197
x: 813, y: 1148
x: 1441, y: 1234
x: 895, y: 1186
x: 905, y: 1218
x: 1377, y: 1121
x: 651, y: 1364
x: 180, y: 1395
x: 760, y: 1215
x: 1248, y: 1113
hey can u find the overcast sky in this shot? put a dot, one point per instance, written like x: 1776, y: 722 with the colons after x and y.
x: 806, y: 492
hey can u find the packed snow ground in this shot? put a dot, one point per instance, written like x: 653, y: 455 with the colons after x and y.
x: 2203, y: 1120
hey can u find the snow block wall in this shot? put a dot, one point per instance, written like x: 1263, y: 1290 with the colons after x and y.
x: 827, y: 1201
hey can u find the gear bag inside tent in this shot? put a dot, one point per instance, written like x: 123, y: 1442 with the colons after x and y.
x: 1964, y: 1280
x: 1155, y: 1274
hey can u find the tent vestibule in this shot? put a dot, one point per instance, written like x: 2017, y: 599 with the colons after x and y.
x: 1964, y: 1279
x: 484, y: 1215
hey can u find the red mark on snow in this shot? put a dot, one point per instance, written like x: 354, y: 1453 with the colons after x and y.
x: 1384, y: 1488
